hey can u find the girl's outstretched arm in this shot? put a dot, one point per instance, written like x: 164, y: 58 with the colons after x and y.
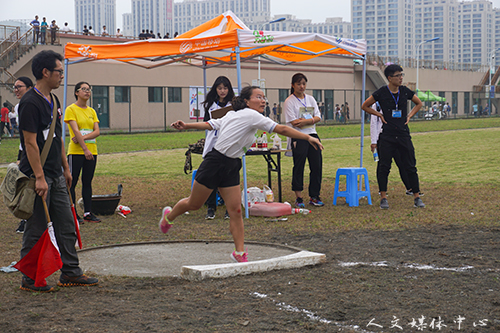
x: 293, y: 133
x: 180, y: 125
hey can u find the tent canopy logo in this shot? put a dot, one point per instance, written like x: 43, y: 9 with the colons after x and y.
x: 260, y: 38
x: 86, y: 51
x: 185, y: 47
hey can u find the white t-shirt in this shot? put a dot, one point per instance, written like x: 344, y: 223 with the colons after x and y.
x: 65, y: 29
x: 291, y: 109
x: 237, y: 131
x: 375, y: 128
x: 211, y: 136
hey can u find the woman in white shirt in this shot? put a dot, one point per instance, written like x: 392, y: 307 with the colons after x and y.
x: 221, y: 166
x: 220, y: 95
x: 302, y: 113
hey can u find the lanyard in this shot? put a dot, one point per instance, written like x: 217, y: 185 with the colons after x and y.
x: 395, y: 100
x: 51, y: 104
x: 305, y: 104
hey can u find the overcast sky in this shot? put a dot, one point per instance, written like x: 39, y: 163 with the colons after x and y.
x: 64, y: 10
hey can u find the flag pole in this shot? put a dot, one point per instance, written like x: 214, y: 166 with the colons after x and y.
x: 77, y: 225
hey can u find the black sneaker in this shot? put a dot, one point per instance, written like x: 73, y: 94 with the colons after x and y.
x: 384, y: 204
x: 29, y: 285
x: 210, y: 214
x: 72, y: 281
x: 20, y: 229
x: 418, y: 203
x: 91, y: 218
x: 226, y: 216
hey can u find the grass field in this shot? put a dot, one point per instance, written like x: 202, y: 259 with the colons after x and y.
x: 456, y: 237
x: 113, y: 143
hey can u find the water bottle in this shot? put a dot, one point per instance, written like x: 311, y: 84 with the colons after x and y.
x: 300, y: 211
x: 264, y: 141
x: 375, y: 155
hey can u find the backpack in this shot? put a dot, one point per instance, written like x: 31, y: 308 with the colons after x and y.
x: 196, y: 148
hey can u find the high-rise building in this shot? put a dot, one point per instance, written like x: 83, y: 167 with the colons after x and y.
x: 476, y: 36
x: 188, y: 14
x: 155, y: 15
x: 95, y: 13
x: 467, y: 30
x: 128, y: 27
x: 387, y: 26
x: 437, y: 18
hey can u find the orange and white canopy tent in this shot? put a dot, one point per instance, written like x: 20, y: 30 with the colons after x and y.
x: 219, y: 41
x: 222, y: 40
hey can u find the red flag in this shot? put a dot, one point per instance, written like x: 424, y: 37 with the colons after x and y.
x: 43, y: 259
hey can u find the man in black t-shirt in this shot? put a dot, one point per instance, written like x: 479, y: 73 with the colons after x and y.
x: 395, y: 136
x: 36, y: 113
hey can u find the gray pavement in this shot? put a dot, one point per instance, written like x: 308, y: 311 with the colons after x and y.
x: 161, y: 259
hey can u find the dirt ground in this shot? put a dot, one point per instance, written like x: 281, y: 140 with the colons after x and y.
x: 433, y: 278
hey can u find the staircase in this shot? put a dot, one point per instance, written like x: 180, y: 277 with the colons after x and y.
x: 486, y: 80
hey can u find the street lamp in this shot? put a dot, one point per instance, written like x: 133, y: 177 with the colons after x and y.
x: 492, y: 68
x: 261, y: 28
x: 418, y: 54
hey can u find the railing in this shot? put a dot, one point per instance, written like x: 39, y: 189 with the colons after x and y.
x: 376, y: 60
x: 8, y: 36
x: 16, y: 49
x: 7, y: 80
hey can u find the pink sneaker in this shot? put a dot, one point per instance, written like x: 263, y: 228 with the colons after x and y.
x: 165, y: 227
x: 239, y: 258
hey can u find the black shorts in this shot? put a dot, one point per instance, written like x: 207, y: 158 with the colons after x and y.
x: 218, y: 170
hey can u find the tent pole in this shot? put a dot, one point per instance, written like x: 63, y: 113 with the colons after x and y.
x: 362, y: 112
x: 244, y: 161
x: 65, y: 97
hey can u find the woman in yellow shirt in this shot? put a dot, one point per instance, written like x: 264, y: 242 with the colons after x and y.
x: 82, y: 149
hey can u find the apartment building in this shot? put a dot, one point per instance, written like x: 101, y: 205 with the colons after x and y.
x: 95, y: 13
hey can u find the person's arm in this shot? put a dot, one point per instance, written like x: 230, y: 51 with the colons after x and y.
x: 94, y: 134
x: 78, y: 138
x: 374, y: 132
x: 293, y: 133
x: 180, y: 125
x: 301, y: 122
x: 418, y: 105
x: 33, y: 154
x: 65, y: 165
x: 367, y: 108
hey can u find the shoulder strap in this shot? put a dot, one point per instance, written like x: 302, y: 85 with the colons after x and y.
x: 48, y: 143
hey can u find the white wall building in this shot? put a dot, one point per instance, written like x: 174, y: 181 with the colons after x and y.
x: 95, y: 13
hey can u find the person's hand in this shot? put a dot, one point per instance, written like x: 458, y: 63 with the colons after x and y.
x: 41, y: 187
x: 381, y: 116
x: 179, y: 125
x: 68, y: 177
x: 74, y: 139
x: 407, y: 120
x: 88, y: 155
x: 373, y: 146
x: 315, y: 143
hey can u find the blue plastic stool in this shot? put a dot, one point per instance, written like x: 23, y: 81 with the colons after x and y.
x: 217, y: 197
x: 353, y: 192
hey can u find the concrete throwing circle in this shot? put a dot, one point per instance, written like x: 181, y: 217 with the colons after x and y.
x: 160, y: 259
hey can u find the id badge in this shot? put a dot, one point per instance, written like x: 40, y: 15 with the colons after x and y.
x: 396, y: 113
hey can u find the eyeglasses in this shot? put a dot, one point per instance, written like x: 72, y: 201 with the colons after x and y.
x: 85, y: 89
x: 262, y: 98
x: 61, y: 71
x: 399, y: 75
x: 18, y: 87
